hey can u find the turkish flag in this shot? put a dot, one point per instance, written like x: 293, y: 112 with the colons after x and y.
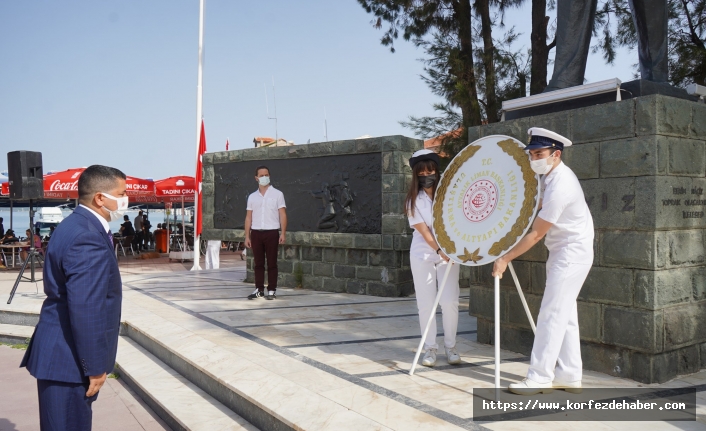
x: 227, y: 145
x: 199, y: 177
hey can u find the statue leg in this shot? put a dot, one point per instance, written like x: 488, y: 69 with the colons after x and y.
x: 650, y: 18
x: 573, y: 39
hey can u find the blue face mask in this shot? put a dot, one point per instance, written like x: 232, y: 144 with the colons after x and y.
x: 263, y: 181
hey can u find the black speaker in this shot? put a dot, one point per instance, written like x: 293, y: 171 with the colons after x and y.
x: 26, y: 176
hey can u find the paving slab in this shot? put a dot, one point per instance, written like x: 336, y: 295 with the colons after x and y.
x: 330, y: 361
x: 117, y: 408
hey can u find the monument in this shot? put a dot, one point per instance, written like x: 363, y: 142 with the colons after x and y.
x: 573, y: 34
x: 642, y: 166
x: 642, y: 310
x: 345, y: 203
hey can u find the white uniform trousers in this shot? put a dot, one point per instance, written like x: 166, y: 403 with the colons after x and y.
x: 427, y: 276
x: 557, y: 350
x: 213, y: 254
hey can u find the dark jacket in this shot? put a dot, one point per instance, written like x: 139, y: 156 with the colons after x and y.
x: 77, y: 333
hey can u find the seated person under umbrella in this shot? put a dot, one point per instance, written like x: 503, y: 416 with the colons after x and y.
x: 8, y: 238
x: 126, y: 228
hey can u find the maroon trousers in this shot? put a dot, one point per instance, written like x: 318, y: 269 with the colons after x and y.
x: 265, y: 244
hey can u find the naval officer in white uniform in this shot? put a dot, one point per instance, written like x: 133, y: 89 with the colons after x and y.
x: 566, y: 221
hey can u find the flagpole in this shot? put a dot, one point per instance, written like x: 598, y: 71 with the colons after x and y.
x: 199, y: 118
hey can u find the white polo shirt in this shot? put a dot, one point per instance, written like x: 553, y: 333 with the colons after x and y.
x: 265, y: 209
x: 422, y: 214
x: 570, y: 238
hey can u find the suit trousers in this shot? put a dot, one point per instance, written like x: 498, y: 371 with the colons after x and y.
x: 265, y: 245
x: 557, y: 350
x: 64, y: 406
x: 427, y: 276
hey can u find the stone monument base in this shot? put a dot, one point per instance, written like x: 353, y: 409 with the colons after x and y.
x: 642, y: 309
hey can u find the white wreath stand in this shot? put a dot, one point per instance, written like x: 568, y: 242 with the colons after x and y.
x: 497, y: 320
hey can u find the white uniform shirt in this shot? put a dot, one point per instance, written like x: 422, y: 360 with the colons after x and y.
x: 422, y: 214
x: 265, y: 209
x: 571, y: 237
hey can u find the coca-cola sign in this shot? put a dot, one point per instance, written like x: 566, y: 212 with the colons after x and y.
x: 60, y: 186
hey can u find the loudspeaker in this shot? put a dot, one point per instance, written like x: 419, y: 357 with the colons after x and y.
x: 24, y: 169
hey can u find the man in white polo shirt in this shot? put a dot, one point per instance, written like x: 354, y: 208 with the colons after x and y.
x: 566, y: 221
x: 266, y: 216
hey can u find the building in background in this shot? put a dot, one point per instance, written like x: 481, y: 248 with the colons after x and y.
x: 264, y: 141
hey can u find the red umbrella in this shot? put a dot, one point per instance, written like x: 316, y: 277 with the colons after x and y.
x: 173, y: 189
x: 176, y: 189
x: 139, y: 187
x: 62, y: 185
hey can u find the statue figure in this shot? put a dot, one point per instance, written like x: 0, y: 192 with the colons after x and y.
x: 327, y: 220
x: 573, y: 36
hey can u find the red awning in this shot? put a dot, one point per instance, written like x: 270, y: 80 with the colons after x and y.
x: 139, y: 187
x: 173, y: 188
x: 64, y: 185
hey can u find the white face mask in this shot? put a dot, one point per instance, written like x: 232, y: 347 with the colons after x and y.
x: 122, y: 207
x: 263, y: 181
x: 542, y: 166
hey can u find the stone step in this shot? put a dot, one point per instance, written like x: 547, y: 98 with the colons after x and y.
x: 245, y: 384
x: 181, y: 404
x: 18, y: 318
x: 15, y: 334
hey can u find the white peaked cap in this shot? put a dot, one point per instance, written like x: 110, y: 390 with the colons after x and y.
x: 544, y: 133
x: 422, y: 152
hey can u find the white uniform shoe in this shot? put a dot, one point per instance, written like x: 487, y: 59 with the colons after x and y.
x: 429, y: 358
x: 452, y: 356
x: 530, y: 387
x: 572, y: 387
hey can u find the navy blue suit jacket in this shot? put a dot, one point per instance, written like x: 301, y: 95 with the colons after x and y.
x: 77, y: 333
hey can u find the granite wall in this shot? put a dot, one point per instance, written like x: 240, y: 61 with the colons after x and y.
x: 642, y: 310
x: 369, y: 255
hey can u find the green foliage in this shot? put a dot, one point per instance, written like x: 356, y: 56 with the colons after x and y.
x: 18, y: 346
x: 456, y: 36
x: 115, y: 375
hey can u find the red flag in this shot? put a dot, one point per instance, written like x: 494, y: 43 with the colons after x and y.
x: 199, y: 177
x: 227, y: 144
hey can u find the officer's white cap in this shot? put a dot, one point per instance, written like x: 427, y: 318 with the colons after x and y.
x: 543, y: 138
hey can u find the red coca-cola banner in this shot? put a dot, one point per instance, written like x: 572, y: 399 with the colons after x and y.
x: 62, y: 185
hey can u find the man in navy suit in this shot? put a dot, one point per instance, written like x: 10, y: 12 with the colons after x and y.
x: 75, y: 342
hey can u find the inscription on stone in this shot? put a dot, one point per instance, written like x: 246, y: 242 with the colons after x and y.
x: 687, y: 202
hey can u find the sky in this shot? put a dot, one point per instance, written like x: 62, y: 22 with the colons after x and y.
x: 114, y: 82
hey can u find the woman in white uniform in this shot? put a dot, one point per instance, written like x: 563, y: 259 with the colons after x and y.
x: 428, y: 262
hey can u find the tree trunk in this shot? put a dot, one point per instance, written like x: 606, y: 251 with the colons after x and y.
x: 468, y: 93
x: 540, y: 49
x: 492, y: 108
